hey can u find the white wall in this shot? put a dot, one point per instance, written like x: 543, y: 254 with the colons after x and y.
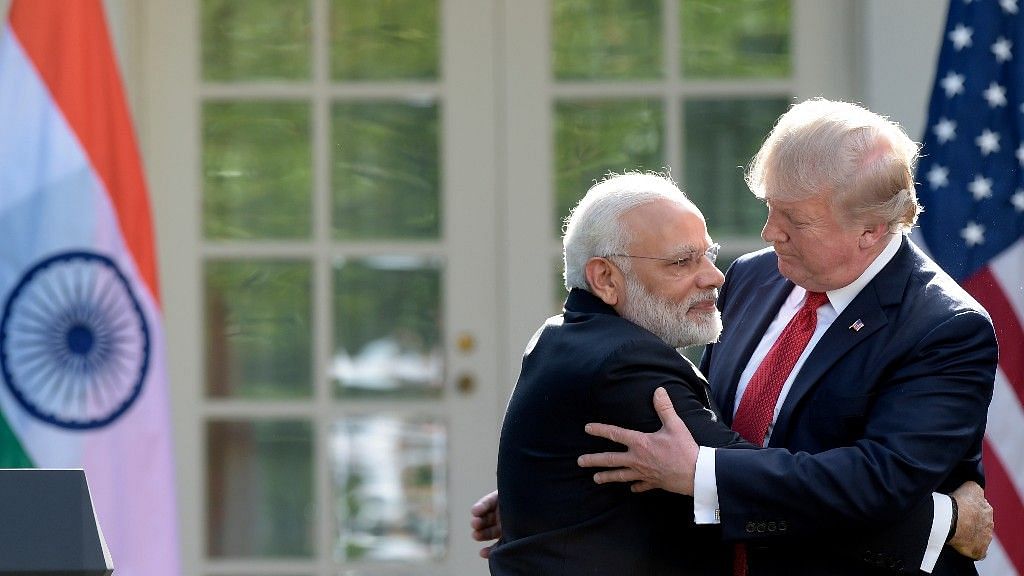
x: 899, y: 51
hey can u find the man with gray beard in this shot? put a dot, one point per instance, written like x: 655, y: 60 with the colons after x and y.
x: 639, y: 265
x: 666, y: 319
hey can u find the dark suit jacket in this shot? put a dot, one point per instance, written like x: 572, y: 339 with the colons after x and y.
x: 590, y: 365
x: 893, y: 411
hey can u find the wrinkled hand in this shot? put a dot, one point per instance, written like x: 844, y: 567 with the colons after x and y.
x: 486, y: 521
x: 664, y: 459
x: 974, y: 524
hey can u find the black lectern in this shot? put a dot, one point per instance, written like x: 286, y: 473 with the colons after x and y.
x: 48, y: 527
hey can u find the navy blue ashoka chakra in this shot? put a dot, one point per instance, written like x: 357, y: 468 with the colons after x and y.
x: 74, y: 343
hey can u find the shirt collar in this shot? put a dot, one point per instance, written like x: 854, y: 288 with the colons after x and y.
x: 840, y: 298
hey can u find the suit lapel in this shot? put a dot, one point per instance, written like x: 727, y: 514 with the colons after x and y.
x: 834, y: 344
x: 867, y: 311
x: 750, y: 323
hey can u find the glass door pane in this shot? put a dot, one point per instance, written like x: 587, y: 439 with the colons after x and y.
x: 261, y: 472
x: 606, y: 39
x: 386, y: 170
x: 388, y: 331
x: 390, y: 486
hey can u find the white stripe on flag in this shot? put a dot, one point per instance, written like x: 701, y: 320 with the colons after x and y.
x: 1008, y: 268
x: 996, y: 563
x: 1006, y: 430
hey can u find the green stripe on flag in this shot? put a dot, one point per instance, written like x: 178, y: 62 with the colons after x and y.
x: 12, y: 455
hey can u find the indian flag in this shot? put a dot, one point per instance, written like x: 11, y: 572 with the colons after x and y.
x: 81, y: 336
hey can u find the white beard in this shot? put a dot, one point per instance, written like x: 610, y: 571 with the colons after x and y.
x: 668, y: 320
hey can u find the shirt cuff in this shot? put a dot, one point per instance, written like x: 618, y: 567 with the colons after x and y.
x: 705, y: 489
x: 942, y: 515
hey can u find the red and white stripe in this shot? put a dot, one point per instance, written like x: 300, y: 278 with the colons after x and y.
x: 999, y: 287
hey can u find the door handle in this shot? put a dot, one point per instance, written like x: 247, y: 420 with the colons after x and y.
x: 465, y: 384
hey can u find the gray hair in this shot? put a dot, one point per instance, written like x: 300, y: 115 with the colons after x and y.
x: 862, y: 162
x: 594, y: 227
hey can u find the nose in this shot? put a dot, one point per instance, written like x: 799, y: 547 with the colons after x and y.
x: 710, y: 276
x: 772, y: 233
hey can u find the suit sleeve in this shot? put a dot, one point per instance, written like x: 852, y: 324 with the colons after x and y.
x: 927, y: 418
x: 636, y: 370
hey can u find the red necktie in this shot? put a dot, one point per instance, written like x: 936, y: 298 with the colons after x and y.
x: 757, y: 406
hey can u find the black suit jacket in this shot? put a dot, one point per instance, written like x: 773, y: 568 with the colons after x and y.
x: 590, y: 365
x: 893, y: 411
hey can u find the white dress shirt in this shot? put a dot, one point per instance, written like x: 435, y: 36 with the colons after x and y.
x: 705, y: 501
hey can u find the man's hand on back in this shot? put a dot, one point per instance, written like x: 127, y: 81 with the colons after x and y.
x: 664, y: 459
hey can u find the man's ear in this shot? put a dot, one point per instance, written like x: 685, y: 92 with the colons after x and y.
x: 872, y: 235
x: 605, y: 280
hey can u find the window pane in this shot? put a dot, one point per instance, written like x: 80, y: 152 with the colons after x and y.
x: 735, y: 38
x: 595, y: 137
x: 384, y: 39
x: 721, y: 138
x: 387, y: 327
x: 258, y: 333
x: 257, y: 169
x: 607, y: 39
x: 389, y: 480
x: 386, y: 171
x: 255, y: 39
x: 259, y: 484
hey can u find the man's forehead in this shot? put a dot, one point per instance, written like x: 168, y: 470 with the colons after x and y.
x: 665, y: 210
x: 782, y: 203
x: 672, y: 236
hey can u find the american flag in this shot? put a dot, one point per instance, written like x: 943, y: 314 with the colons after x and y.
x: 972, y: 187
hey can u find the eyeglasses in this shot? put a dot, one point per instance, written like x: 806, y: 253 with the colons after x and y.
x: 687, y: 261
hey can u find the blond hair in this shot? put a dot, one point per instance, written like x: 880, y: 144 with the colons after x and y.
x: 862, y: 162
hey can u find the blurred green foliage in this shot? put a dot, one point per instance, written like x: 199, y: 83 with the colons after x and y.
x: 258, y: 329
x: 735, y: 38
x: 607, y: 39
x: 386, y: 170
x: 255, y: 40
x: 385, y: 40
x: 257, y: 170
x: 259, y: 489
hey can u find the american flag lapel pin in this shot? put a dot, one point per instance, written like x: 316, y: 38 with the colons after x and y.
x: 856, y: 326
